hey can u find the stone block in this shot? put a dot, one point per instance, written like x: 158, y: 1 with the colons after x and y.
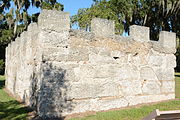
x: 54, y: 39
x: 171, y: 61
x: 134, y: 100
x: 52, y: 20
x: 84, y: 71
x: 78, y: 54
x: 119, y: 57
x: 127, y: 72
x: 98, y: 59
x: 151, y: 87
x: 129, y: 87
x: 156, y: 60
x: 79, y: 91
x: 102, y: 27
x: 148, y: 73
x: 165, y: 73
x: 55, y: 54
x: 168, y: 86
x: 105, y: 71
x: 110, y: 104
x: 139, y: 33
x: 166, y: 43
x: 87, y: 90
x: 167, y: 40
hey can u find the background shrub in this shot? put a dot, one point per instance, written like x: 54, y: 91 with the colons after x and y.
x: 1, y: 67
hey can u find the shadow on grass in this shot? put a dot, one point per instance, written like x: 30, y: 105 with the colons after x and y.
x: 2, y: 83
x: 13, y: 110
x: 177, y: 75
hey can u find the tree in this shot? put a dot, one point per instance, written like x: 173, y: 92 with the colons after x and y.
x: 156, y: 14
x: 100, y: 9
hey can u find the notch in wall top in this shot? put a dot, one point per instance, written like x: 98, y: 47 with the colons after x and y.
x: 140, y: 33
x: 54, y: 20
x: 102, y: 27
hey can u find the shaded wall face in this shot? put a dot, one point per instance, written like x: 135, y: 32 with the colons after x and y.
x: 59, y: 71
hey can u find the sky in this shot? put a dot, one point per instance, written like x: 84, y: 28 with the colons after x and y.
x: 70, y: 6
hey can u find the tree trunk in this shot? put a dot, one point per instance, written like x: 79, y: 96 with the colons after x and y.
x: 15, y: 28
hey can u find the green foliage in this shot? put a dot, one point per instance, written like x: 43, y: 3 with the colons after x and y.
x: 156, y: 14
x: 49, y: 6
x: 6, y: 36
x: 1, y: 66
x: 101, y: 9
x: 46, y: 5
x: 137, y: 113
x: 178, y: 54
x: 177, y: 87
x: 59, y: 6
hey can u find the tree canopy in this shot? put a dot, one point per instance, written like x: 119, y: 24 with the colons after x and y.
x: 156, y: 14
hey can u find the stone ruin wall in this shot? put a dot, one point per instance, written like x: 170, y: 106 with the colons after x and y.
x: 59, y: 71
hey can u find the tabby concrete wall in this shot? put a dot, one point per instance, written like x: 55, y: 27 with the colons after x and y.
x: 60, y: 71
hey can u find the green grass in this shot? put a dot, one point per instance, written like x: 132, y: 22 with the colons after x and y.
x: 132, y: 113
x: 10, y: 109
x: 137, y: 113
x: 177, y: 78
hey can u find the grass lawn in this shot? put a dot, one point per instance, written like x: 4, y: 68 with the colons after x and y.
x: 10, y: 109
x: 177, y: 78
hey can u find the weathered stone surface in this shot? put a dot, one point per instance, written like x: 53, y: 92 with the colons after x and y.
x: 54, y: 39
x: 102, y: 27
x: 59, y: 71
x: 78, y: 54
x: 165, y: 73
x: 140, y: 33
x: 111, y: 103
x: 128, y: 72
x: 130, y: 87
x: 151, y: 87
x: 168, y: 86
x: 156, y: 60
x: 55, y: 54
x: 32, y: 27
x: 94, y: 90
x: 166, y: 43
x: 134, y: 100
x: 54, y: 21
x: 171, y: 61
x: 147, y: 73
x: 167, y: 40
x: 98, y: 59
